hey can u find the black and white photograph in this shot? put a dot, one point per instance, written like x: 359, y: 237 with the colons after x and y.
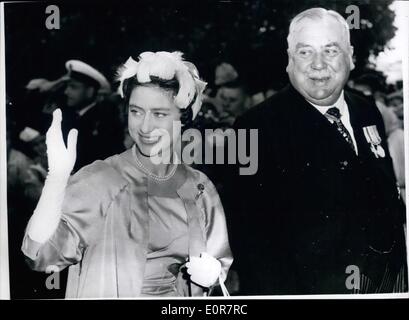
x: 242, y: 150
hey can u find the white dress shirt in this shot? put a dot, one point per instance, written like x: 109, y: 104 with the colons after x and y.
x: 343, y: 109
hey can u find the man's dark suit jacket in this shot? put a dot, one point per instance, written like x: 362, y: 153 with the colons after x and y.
x: 100, y: 132
x: 314, y: 207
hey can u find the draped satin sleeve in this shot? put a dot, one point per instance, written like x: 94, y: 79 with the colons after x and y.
x: 88, y: 195
x: 217, y: 242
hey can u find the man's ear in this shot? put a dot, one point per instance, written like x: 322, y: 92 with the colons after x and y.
x: 351, y: 58
x: 289, y: 55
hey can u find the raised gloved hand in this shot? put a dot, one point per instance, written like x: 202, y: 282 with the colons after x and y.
x: 61, y: 159
x: 204, y: 270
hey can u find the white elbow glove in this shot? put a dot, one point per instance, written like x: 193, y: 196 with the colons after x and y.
x: 61, y: 162
x: 204, y: 270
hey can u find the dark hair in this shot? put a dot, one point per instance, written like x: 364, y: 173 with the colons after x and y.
x: 186, y: 115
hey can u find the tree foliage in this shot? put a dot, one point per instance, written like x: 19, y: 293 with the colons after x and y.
x: 249, y: 34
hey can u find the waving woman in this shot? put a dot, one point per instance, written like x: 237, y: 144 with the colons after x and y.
x: 130, y: 226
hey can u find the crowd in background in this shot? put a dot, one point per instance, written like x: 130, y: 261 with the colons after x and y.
x: 103, y: 132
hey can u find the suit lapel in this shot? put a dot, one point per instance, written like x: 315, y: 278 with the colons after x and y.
x: 320, y: 137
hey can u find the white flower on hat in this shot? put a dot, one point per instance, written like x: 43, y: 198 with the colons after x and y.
x: 167, y: 66
x: 126, y: 71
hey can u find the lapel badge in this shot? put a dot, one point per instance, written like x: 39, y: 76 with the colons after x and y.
x: 373, y: 138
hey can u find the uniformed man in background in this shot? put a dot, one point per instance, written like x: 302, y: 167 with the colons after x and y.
x: 100, y: 132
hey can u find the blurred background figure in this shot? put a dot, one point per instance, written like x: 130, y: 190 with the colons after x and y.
x: 373, y: 87
x: 228, y: 99
x: 25, y: 179
x: 33, y: 144
x: 83, y: 96
x: 234, y: 101
x: 395, y: 135
x: 100, y: 132
x: 221, y: 106
x: 394, y: 100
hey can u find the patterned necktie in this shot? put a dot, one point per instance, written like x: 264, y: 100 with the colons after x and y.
x: 334, y: 115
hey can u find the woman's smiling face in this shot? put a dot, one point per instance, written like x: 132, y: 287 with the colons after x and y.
x: 152, y: 114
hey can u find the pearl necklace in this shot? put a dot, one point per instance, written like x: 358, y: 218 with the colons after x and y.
x: 150, y: 174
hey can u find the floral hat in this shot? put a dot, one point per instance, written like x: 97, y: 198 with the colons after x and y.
x: 166, y: 66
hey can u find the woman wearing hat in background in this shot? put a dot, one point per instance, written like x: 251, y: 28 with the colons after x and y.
x: 127, y: 225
